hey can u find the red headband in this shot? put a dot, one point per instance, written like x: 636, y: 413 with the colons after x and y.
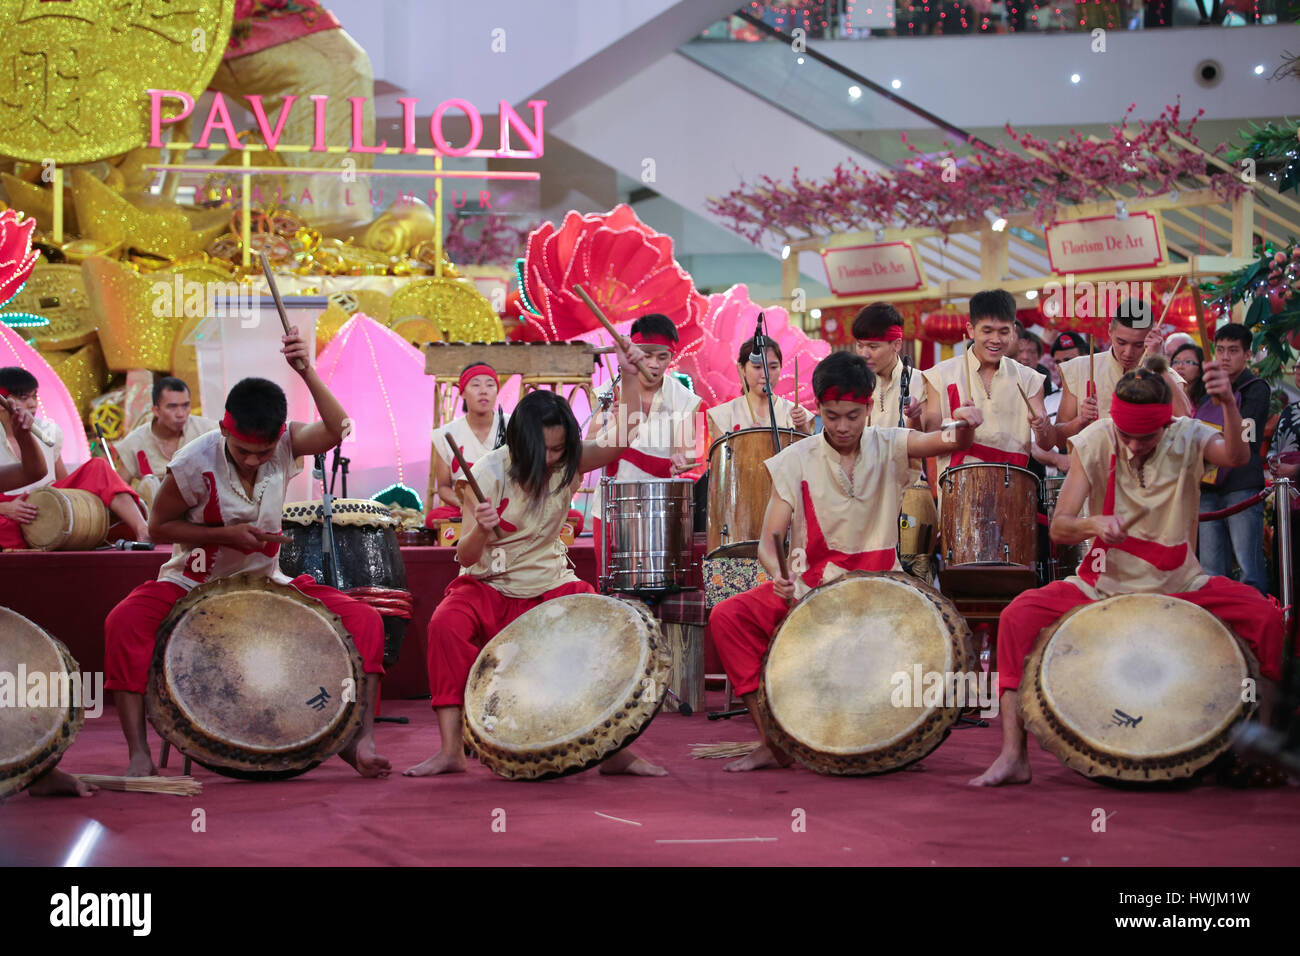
x: 474, y: 370
x: 4, y: 392
x: 832, y: 393
x: 654, y: 338
x: 1140, y: 419
x: 228, y: 423
x: 894, y: 333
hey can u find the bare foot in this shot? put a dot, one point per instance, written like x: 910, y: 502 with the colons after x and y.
x: 361, y: 755
x: 764, y: 756
x: 1007, y: 769
x: 452, y: 761
x: 141, y: 765
x: 629, y: 763
x: 56, y: 783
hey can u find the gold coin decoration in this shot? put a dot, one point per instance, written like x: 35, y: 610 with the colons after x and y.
x: 73, y: 76
x: 417, y: 330
x: 58, y: 293
x: 452, y: 305
x: 108, y: 416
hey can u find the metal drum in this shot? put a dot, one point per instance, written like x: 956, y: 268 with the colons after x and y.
x: 564, y: 686
x: 1062, y: 559
x: 1140, y: 687
x: 988, y: 525
x: 254, y: 679
x: 649, y: 532
x: 67, y: 519
x: 830, y: 688
x: 32, y: 738
x: 739, y: 485
x: 370, y: 566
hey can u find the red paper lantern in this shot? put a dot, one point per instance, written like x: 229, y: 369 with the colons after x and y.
x: 947, y: 327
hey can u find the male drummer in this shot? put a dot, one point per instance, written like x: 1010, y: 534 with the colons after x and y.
x: 528, y: 485
x: 96, y: 476
x: 220, y: 506
x: 148, y: 449
x: 878, y: 338
x: 839, y: 497
x: 987, y: 375
x: 1139, y: 470
x: 1133, y: 338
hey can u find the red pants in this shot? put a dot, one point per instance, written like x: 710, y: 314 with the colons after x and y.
x: 742, y: 627
x: 1254, y: 618
x: 95, y: 476
x: 470, y: 614
x: 131, y: 629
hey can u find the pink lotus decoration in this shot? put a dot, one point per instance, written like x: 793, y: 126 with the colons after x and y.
x: 623, y: 264
x: 56, y: 403
x: 728, y: 322
x: 17, y: 258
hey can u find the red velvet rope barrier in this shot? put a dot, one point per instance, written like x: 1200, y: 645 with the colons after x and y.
x: 1233, y: 509
x: 390, y: 602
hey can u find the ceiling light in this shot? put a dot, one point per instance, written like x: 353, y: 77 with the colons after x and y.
x: 785, y: 252
x: 1259, y: 69
x: 816, y: 313
x: 896, y: 84
x: 1031, y: 295
x: 1075, y: 77
x: 855, y: 92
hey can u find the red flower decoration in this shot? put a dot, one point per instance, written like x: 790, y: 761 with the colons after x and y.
x: 17, y: 258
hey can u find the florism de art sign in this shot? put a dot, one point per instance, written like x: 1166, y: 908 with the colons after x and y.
x: 1104, y: 244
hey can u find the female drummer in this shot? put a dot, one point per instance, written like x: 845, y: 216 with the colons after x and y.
x: 221, y: 506
x: 839, y: 497
x: 1141, y: 467
x: 749, y: 409
x: 480, y: 430
x: 527, y: 484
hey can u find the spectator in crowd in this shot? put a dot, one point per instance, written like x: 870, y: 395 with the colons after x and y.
x: 1175, y: 342
x: 1240, y: 535
x: 1187, y: 361
x: 1065, y: 346
x: 1284, y: 460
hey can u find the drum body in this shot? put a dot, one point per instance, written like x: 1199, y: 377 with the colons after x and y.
x: 739, y: 485
x: 147, y: 488
x: 1140, y: 687
x: 67, y: 519
x: 832, y: 691
x: 1062, y: 559
x: 32, y: 738
x: 918, y: 519
x: 564, y: 686
x: 989, y: 526
x: 370, y: 558
x: 254, y: 679
x: 649, y: 532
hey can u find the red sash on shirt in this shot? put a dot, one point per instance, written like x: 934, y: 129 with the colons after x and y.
x: 820, y: 553
x: 1162, y: 556
x: 143, y: 461
x: 984, y: 452
x: 650, y: 464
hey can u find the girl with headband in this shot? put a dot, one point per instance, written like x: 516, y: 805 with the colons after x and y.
x: 1141, y: 457
x: 221, y: 507
x: 838, y: 494
x: 749, y: 409
x: 480, y: 430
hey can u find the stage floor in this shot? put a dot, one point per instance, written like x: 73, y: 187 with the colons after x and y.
x: 699, y: 815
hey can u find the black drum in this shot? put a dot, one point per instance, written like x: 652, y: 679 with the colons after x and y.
x: 370, y: 566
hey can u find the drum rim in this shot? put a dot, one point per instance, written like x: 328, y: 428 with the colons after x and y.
x: 64, y: 525
x: 21, y: 775
x: 171, y: 723
x: 935, y: 726
x: 987, y: 464
x: 1082, y: 757
x: 595, y: 747
x: 795, y: 434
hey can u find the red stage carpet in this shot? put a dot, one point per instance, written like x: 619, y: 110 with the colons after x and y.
x: 330, y: 817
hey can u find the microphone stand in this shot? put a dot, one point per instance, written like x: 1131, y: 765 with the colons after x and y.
x: 904, y: 387
x: 760, y: 348
x: 329, y: 548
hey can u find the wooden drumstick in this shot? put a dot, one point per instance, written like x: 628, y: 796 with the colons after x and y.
x: 299, y: 364
x: 1203, y: 331
x: 1032, y: 413
x: 1092, y: 378
x: 796, y: 380
x: 970, y: 382
x: 780, y: 558
x: 1134, y: 518
x: 470, y: 480
x: 609, y: 326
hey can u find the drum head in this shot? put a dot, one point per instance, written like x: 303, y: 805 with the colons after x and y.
x: 359, y: 512
x: 830, y: 690
x: 1137, y: 687
x: 252, y: 676
x: 564, y: 686
x: 33, y: 737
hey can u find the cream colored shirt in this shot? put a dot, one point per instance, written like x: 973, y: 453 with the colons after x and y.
x: 1005, y: 429
x: 1107, y: 371
x: 736, y: 414
x: 9, y: 456
x: 884, y: 409
x: 1160, y: 553
x: 466, y: 441
x: 530, y: 559
x: 841, y: 525
x: 143, y: 440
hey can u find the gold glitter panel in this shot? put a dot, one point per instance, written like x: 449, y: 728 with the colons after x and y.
x: 144, y: 222
x: 85, y: 375
x: 185, y: 362
x: 73, y: 76
x: 57, y: 292
x: 453, y: 305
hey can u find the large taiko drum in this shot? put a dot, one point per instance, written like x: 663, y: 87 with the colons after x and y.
x: 254, y: 679
x: 988, y: 526
x: 740, y: 486
x: 370, y: 566
x: 649, y: 531
x: 1141, y: 687
x: 564, y: 686
x: 35, y: 732
x: 67, y: 519
x: 1061, y: 560
x: 843, y: 684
